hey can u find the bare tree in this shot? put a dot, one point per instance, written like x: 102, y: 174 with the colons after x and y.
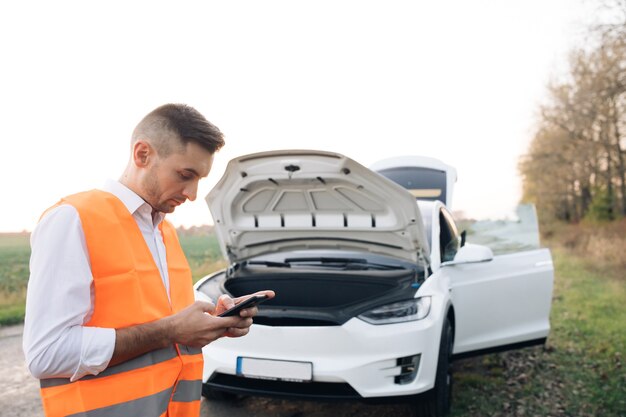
x: 577, y: 158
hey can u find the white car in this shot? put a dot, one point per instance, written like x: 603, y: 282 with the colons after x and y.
x: 375, y: 293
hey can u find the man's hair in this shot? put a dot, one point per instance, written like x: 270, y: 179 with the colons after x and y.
x: 182, y: 122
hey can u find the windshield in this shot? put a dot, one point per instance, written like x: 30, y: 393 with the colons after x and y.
x: 328, y: 259
x: 423, y: 183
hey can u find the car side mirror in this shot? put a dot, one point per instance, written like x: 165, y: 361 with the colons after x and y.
x: 471, y: 254
x: 463, y: 237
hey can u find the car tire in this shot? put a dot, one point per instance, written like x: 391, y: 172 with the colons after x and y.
x: 214, y: 395
x: 437, y: 401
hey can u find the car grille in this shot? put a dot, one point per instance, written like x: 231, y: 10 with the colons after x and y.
x: 292, y: 321
x: 303, y: 390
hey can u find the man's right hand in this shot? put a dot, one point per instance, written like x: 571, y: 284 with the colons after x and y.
x: 196, y: 325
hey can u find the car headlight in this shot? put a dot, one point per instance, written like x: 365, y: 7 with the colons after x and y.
x: 213, y: 287
x: 409, y: 310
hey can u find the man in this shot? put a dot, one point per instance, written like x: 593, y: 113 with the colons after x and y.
x: 111, y: 327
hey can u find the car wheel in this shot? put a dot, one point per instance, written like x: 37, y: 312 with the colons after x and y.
x: 436, y: 402
x: 214, y: 395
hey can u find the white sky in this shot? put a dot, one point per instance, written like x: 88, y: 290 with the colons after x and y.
x: 460, y: 81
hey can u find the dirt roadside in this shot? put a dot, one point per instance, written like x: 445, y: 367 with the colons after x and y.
x: 19, y: 391
x: 19, y: 394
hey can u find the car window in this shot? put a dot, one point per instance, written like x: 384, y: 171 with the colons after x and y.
x: 449, y: 241
x: 423, y: 183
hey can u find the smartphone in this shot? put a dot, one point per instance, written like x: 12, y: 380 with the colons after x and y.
x: 250, y: 302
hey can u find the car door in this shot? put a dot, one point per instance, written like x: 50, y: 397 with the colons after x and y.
x: 501, y: 303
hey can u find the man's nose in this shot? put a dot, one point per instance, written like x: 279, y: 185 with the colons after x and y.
x: 191, y: 191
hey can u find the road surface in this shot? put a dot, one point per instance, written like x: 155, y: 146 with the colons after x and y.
x: 19, y: 394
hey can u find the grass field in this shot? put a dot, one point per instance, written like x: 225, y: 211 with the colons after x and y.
x: 579, y: 373
x: 202, y: 252
x: 14, y: 256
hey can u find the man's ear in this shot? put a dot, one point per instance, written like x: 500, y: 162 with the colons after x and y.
x: 142, y: 153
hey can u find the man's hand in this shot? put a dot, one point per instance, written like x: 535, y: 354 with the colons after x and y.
x: 196, y: 326
x: 243, y: 327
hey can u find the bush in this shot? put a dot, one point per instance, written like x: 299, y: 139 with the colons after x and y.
x: 601, y: 207
x: 604, y: 243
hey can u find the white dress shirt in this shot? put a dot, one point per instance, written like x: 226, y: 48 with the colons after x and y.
x: 60, y: 291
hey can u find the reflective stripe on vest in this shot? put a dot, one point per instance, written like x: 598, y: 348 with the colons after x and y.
x: 187, y: 391
x: 152, y: 405
x: 147, y: 359
x: 128, y: 290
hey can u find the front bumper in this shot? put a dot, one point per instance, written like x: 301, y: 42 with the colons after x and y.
x: 354, y: 361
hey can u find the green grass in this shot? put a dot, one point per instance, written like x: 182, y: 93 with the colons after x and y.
x: 14, y: 256
x: 590, y: 334
x: 202, y: 252
x: 579, y: 373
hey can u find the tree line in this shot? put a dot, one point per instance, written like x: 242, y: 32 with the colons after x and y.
x: 576, y: 165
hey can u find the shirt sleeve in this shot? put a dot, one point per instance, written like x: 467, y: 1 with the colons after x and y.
x: 59, y: 302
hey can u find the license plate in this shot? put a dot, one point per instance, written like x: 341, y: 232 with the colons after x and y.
x: 275, y: 369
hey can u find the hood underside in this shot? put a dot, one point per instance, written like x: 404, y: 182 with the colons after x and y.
x: 320, y: 298
x: 291, y: 200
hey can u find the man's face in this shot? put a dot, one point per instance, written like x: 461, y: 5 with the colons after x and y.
x: 172, y: 180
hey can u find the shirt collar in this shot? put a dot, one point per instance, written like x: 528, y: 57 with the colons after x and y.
x: 131, y: 200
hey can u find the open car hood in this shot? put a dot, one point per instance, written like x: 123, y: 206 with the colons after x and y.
x: 302, y: 199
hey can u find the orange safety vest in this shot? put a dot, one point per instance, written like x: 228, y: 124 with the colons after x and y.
x: 128, y: 290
